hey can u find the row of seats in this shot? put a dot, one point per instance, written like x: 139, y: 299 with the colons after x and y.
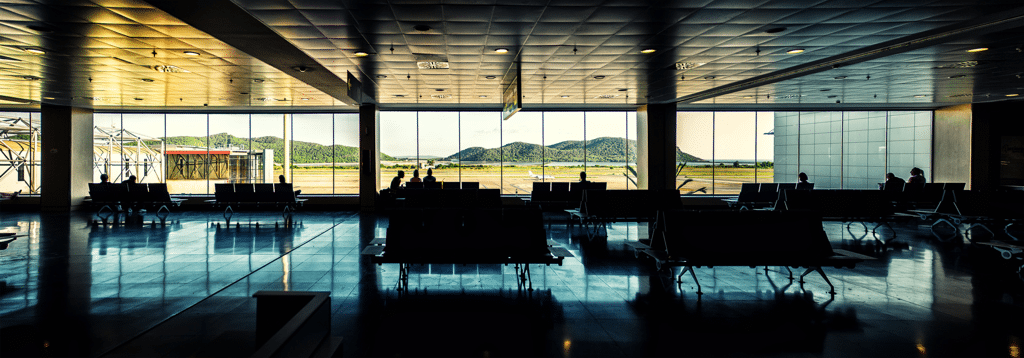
x: 453, y: 198
x: 767, y: 192
x: 251, y: 193
x: 445, y: 185
x: 563, y: 193
x: 129, y: 193
x: 457, y: 235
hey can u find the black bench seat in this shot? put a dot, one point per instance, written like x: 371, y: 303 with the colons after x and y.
x: 745, y: 238
x: 600, y: 207
x: 457, y: 236
x: 233, y: 196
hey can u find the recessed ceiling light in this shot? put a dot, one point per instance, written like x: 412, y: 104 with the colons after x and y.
x: 957, y: 76
x: 421, y: 28
x: 839, y: 77
x: 491, y: 77
x: 775, y: 30
x: 361, y: 54
x: 748, y: 97
x: 623, y: 89
x: 35, y: 51
x: 482, y: 96
x: 49, y: 98
x: 382, y: 76
x: 191, y: 53
x: 146, y: 79
x: 832, y: 96
x: 501, y: 50
x: 399, y: 95
x: 169, y: 69
x: 709, y: 77
x: 138, y: 98
x: 598, y: 77
x: 257, y: 80
x: 565, y: 96
x: 1013, y: 95
x: 648, y: 50
x: 920, y: 96
x: 439, y: 89
x: 826, y: 89
x: 795, y: 51
x: 979, y: 49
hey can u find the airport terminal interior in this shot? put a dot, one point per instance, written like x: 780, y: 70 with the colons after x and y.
x: 403, y: 178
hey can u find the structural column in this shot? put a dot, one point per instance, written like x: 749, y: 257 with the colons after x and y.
x: 66, y: 153
x: 656, y: 146
x: 369, y: 155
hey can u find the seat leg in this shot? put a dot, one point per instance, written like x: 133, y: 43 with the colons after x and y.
x: 981, y: 225
x: 832, y: 288
x: 947, y: 222
x: 692, y: 274
x: 1006, y: 229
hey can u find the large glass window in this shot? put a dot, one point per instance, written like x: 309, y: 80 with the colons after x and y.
x: 20, y: 133
x: 719, y: 151
x: 851, y: 150
x: 480, y: 136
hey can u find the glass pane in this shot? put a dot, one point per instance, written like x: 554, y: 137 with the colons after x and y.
x: 735, y: 136
x: 142, y: 138
x: 20, y: 133
x: 398, y: 145
x: 695, y: 152
x: 765, y: 147
x: 346, y: 153
x: 481, y: 133
x: 187, y: 154
x: 631, y: 133
x: 564, y: 153
x: 607, y: 147
x: 268, y: 140
x: 312, y: 155
x: 523, y: 152
x: 439, y: 145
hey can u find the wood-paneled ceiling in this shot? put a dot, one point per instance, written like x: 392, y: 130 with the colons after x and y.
x: 274, y: 54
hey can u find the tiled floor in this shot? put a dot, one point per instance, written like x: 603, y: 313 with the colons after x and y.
x: 76, y: 289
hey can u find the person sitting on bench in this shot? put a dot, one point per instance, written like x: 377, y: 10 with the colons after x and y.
x: 280, y: 178
x: 892, y: 182
x: 802, y: 178
x: 415, y: 176
x: 104, y: 179
x: 397, y: 181
x: 131, y: 180
x: 430, y: 177
x: 916, y: 176
x: 583, y: 178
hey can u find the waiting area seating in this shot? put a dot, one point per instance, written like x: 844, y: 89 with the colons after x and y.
x: 761, y: 195
x: 561, y: 195
x: 294, y: 324
x: 116, y: 197
x: 979, y: 209
x: 465, y: 197
x: 256, y: 195
x: 849, y: 206
x: 6, y: 238
x: 473, y: 236
x: 599, y: 207
x: 743, y: 238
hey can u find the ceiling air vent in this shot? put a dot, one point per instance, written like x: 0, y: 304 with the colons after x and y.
x: 606, y: 96
x: 962, y: 95
x: 169, y: 69
x: 788, y: 96
x: 688, y: 65
x: 440, y: 96
x: 431, y: 62
x: 964, y: 64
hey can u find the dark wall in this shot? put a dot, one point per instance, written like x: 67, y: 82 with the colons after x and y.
x: 991, y: 122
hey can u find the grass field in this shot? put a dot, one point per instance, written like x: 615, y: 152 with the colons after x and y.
x: 510, y: 179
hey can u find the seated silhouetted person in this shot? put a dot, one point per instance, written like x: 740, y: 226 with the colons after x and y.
x: 430, y: 177
x: 104, y: 179
x: 131, y: 180
x: 397, y: 181
x: 892, y: 183
x: 280, y: 179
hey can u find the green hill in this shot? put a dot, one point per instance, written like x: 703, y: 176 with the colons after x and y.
x: 302, y: 152
x: 604, y: 149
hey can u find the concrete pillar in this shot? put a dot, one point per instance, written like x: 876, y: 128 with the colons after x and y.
x: 996, y: 134
x: 656, y: 146
x: 369, y: 156
x: 66, y: 150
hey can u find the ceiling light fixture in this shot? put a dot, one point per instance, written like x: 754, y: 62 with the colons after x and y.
x: 382, y: 76
x: 491, y: 77
x: 35, y: 51
x: 1013, y: 95
x: 623, y: 89
x: 565, y: 96
x: 439, y: 89
x: 361, y: 54
x: 826, y: 89
x: 979, y: 49
x: 169, y: 69
x: 748, y: 97
x: 598, y: 77
x: 920, y: 96
x: 30, y: 78
x: 399, y: 95
x: 775, y: 30
x: 257, y: 80
x: 303, y: 99
x: 964, y: 64
x: 421, y: 28
x: 688, y: 65
x: 138, y: 98
x: 302, y: 69
x: 49, y: 98
x: 146, y: 80
x: 709, y: 77
x: 957, y: 76
x: 795, y: 51
x: 647, y: 50
x: 839, y: 77
x: 482, y: 96
x: 501, y: 50
x: 191, y: 53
